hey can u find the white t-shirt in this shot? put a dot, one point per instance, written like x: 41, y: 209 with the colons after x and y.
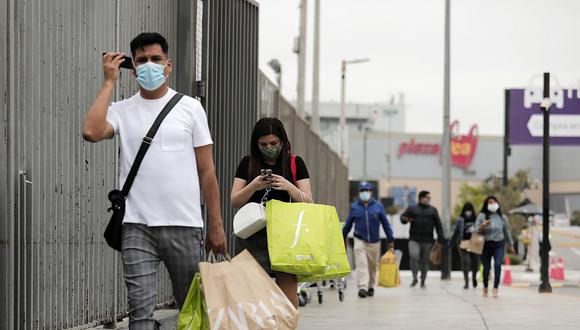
x: 166, y: 189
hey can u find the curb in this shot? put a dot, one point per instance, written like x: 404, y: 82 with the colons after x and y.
x: 167, y: 319
x: 525, y: 285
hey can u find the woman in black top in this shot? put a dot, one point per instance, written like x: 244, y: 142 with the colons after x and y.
x: 270, y: 149
x: 464, y: 227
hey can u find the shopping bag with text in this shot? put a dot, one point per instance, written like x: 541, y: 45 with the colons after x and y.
x: 298, y: 237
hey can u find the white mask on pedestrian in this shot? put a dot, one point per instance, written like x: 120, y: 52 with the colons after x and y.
x: 493, y: 207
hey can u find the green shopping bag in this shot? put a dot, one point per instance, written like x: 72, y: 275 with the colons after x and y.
x: 337, y: 265
x: 298, y: 237
x: 193, y: 314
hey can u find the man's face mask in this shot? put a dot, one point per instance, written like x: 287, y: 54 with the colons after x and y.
x: 365, y: 195
x: 150, y: 75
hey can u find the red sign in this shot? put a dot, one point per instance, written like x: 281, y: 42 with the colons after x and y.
x: 463, y: 147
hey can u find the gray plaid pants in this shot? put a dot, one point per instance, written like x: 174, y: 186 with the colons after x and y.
x: 142, y: 248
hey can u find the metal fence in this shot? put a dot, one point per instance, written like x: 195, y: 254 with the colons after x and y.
x: 230, y: 73
x: 57, y: 271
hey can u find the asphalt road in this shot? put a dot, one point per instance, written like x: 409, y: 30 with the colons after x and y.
x: 565, y: 243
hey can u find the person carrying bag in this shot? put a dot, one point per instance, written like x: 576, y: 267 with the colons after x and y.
x: 270, y: 172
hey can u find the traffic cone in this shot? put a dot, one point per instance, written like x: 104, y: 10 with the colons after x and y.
x: 553, y: 269
x: 560, y: 270
x: 507, y: 273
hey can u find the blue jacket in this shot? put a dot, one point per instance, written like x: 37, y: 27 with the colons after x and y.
x: 367, y: 220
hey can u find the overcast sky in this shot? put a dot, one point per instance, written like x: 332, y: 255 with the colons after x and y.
x: 494, y: 44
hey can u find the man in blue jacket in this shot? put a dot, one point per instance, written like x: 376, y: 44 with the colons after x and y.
x: 367, y: 214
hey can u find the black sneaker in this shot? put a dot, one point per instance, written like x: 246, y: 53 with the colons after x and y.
x: 474, y: 283
x: 371, y: 292
x: 414, y: 283
x: 423, y: 286
x: 362, y: 293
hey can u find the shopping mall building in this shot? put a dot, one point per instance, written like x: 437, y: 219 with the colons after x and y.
x: 403, y: 163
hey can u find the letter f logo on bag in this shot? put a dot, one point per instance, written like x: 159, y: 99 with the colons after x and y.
x: 298, y: 226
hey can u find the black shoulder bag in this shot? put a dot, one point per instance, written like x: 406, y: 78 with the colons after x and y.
x: 117, y: 197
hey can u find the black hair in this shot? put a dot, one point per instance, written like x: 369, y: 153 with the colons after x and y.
x: 484, y: 209
x: 468, y: 207
x: 264, y: 127
x: 147, y: 39
x: 423, y: 193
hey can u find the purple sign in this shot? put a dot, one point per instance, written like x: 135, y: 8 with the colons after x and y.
x: 526, y: 118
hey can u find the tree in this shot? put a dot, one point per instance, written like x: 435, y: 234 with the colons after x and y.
x: 575, y: 221
x: 509, y: 196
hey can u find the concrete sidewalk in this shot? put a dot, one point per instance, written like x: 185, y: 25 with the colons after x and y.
x: 443, y: 305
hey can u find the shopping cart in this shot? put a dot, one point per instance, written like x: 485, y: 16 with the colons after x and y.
x: 304, y: 296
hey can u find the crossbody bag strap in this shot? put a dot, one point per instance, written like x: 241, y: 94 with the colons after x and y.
x: 147, y: 142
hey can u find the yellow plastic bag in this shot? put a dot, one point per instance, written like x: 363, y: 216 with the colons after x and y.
x: 298, y: 236
x: 337, y: 265
x: 389, y: 271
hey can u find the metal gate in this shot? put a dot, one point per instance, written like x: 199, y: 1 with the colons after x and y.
x: 230, y: 78
x: 56, y: 270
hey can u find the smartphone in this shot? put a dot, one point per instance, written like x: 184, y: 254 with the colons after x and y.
x: 127, y: 64
x: 266, y: 172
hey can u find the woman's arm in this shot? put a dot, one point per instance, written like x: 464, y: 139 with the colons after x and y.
x: 242, y: 191
x: 304, y: 186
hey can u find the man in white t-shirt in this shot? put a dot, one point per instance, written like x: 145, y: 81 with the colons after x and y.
x: 163, y: 219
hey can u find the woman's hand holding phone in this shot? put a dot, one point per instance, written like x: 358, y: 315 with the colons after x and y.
x: 260, y: 182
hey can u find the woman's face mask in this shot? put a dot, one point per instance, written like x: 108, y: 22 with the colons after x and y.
x: 493, y: 207
x: 271, y: 151
x: 150, y: 75
x: 468, y: 213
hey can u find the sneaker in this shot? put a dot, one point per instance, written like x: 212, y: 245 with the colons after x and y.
x: 414, y: 283
x: 466, y: 286
x: 362, y: 293
x: 495, y: 293
x: 423, y: 286
x: 370, y: 292
x: 474, y: 283
x: 485, y: 292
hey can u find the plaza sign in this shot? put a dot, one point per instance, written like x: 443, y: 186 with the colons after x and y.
x: 463, y: 147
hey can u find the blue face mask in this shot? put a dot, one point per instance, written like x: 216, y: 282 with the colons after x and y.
x: 150, y: 75
x: 365, y: 196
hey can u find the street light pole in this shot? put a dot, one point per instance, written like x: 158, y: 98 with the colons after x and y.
x: 545, y: 286
x: 302, y: 59
x: 342, y: 120
x: 277, y: 67
x: 446, y: 152
x: 315, y: 70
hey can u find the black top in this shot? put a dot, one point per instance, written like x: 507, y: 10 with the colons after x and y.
x: 425, y: 219
x: 301, y: 174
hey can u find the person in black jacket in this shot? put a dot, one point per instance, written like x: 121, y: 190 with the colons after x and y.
x: 423, y: 219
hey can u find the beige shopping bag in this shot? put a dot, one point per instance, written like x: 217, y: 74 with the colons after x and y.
x: 476, y: 243
x: 240, y: 295
x: 435, y: 254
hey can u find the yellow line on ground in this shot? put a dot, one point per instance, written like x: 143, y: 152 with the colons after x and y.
x: 569, y: 244
x: 561, y: 232
x: 520, y: 285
